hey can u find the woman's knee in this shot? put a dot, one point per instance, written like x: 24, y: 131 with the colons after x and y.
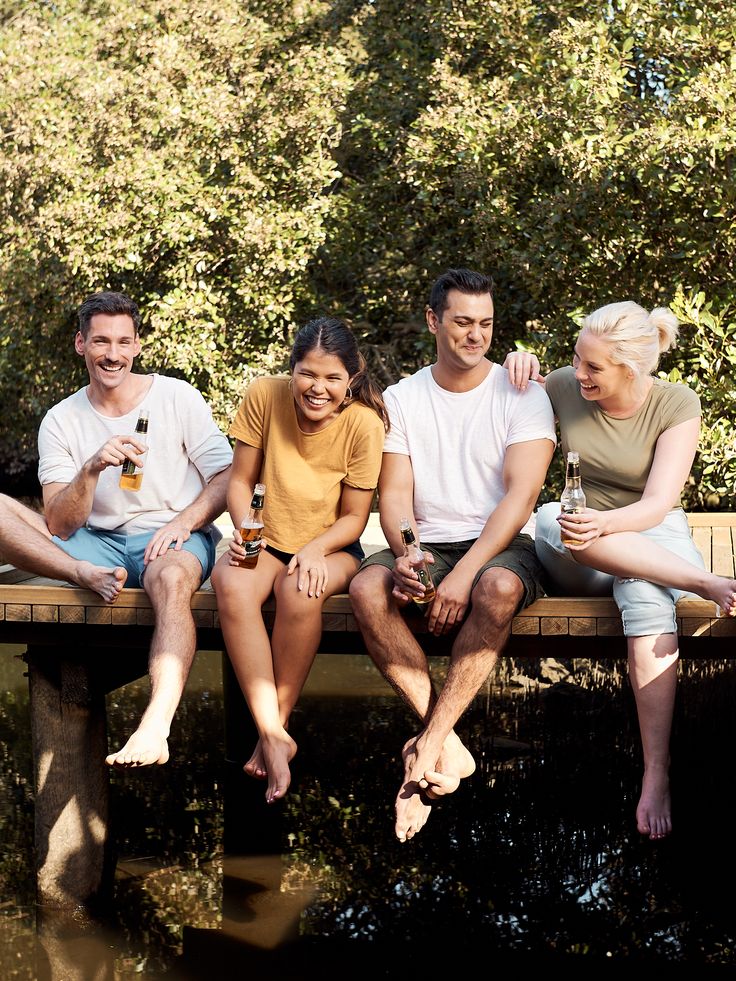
x: 646, y: 609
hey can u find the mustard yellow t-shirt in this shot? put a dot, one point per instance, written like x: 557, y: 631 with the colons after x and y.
x: 304, y: 472
x: 616, y: 455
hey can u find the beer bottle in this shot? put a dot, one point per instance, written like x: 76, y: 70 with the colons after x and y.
x: 415, y: 555
x: 572, y: 500
x: 132, y: 476
x: 251, y: 528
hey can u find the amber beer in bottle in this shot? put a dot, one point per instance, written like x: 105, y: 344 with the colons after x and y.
x: 572, y: 500
x: 415, y: 555
x: 251, y: 528
x: 132, y: 476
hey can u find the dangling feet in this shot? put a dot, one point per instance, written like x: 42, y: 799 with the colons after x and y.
x: 147, y: 745
x: 256, y: 767
x: 654, y: 811
x: 278, y: 751
x: 424, y: 784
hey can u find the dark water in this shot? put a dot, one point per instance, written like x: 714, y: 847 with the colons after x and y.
x: 535, y: 861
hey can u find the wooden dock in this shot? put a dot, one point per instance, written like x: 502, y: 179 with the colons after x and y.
x: 78, y: 649
x: 34, y: 610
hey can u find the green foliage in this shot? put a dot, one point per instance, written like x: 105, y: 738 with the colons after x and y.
x: 239, y: 167
x: 176, y: 150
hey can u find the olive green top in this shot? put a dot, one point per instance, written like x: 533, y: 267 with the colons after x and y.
x: 616, y: 455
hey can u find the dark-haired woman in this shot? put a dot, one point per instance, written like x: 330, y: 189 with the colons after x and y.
x: 315, y: 439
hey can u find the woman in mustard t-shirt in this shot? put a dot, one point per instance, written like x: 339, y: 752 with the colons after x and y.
x: 314, y: 438
x: 636, y: 436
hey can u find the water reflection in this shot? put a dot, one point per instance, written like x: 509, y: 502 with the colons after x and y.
x: 535, y: 859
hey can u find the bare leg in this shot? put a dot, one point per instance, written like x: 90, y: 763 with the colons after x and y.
x: 653, y: 676
x: 629, y: 555
x: 240, y: 596
x: 25, y: 541
x: 294, y: 642
x: 474, y: 653
x: 170, y: 581
x: 402, y: 662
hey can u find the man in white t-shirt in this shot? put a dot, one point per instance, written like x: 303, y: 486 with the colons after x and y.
x: 160, y: 536
x: 464, y: 460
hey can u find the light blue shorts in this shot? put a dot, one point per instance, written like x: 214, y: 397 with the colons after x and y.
x: 107, y: 548
x: 647, y: 610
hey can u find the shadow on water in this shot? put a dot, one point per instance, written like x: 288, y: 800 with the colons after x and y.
x: 534, y: 862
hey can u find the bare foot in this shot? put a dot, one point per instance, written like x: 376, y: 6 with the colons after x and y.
x: 145, y: 747
x: 724, y: 594
x: 436, y: 784
x: 455, y: 763
x: 106, y: 582
x: 413, y: 802
x: 255, y: 767
x: 654, y: 813
x: 278, y: 751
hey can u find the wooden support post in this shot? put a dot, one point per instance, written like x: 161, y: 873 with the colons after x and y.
x: 69, y: 738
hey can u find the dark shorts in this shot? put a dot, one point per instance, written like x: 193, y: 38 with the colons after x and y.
x: 520, y: 558
x: 355, y: 550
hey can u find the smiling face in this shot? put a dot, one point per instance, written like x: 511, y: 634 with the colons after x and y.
x: 109, y: 348
x: 464, y: 331
x: 319, y: 384
x: 600, y: 380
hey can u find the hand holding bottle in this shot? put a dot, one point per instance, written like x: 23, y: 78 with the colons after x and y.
x: 417, y: 583
x: 248, y: 539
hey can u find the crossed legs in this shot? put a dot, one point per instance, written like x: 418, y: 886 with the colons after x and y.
x: 25, y: 540
x: 170, y: 581
x: 435, y: 760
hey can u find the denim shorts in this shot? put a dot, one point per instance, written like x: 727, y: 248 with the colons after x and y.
x: 519, y: 557
x: 355, y: 549
x: 647, y: 610
x: 108, y: 548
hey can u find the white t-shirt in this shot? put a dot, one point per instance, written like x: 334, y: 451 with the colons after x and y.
x: 457, y: 443
x: 185, y: 451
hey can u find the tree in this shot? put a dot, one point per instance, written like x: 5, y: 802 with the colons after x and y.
x: 178, y: 151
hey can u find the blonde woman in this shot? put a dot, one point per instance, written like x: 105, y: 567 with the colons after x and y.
x: 637, y: 436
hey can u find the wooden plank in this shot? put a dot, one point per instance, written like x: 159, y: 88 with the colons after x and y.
x: 71, y: 614
x: 525, y: 626
x: 554, y: 626
x: 124, y: 616
x: 702, y: 537
x: 722, y: 552
x: 694, y: 627
x: 98, y: 614
x: 582, y: 626
x: 18, y: 613
x: 721, y: 519
x: 9, y: 575
x: 610, y: 627
x: 723, y: 627
x: 45, y: 614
